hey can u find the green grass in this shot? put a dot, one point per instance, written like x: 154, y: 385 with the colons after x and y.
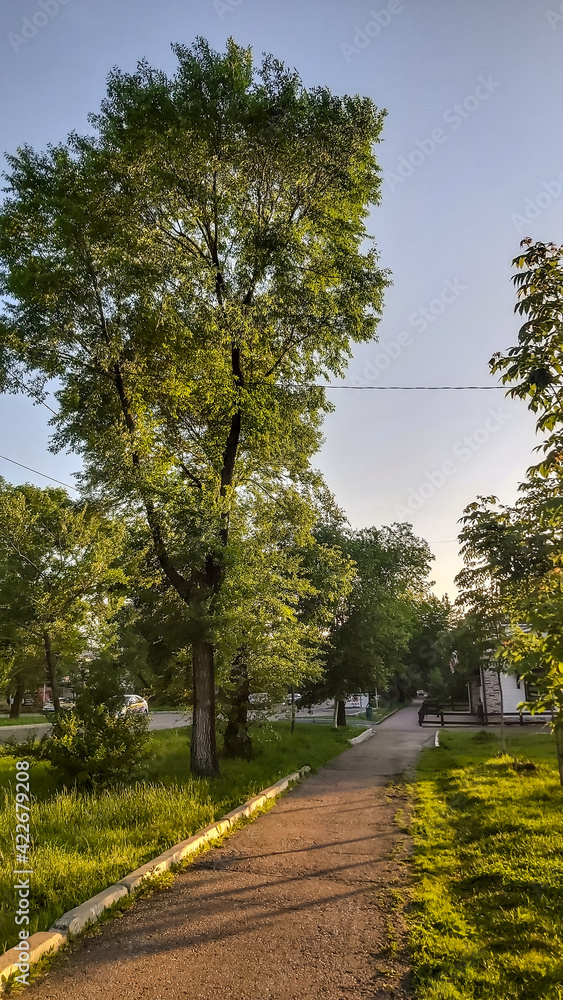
x: 487, y: 919
x: 83, y: 843
x: 24, y: 720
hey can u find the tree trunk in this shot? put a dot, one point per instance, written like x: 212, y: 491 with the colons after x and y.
x: 502, y: 732
x: 341, y: 713
x: 292, y: 710
x: 204, y: 747
x: 52, y: 671
x: 18, y: 698
x: 335, y: 714
x: 559, y: 743
x: 237, y: 738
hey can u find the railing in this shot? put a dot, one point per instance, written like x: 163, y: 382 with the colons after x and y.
x: 427, y: 716
x: 447, y: 718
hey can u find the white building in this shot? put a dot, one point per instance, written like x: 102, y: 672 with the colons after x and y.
x: 490, y: 689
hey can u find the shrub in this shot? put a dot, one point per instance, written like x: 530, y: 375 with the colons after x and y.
x: 96, y: 750
x: 90, y: 747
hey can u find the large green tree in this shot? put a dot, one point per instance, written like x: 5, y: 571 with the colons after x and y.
x: 188, y: 273
x: 370, y: 632
x: 427, y: 658
x: 61, y: 582
x: 513, y: 555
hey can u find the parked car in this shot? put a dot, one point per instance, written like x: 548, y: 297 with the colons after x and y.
x: 261, y: 698
x: 133, y: 704
x: 66, y: 704
x: 296, y: 695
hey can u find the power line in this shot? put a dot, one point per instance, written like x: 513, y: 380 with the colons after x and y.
x: 411, y: 388
x: 29, y: 393
x: 37, y: 473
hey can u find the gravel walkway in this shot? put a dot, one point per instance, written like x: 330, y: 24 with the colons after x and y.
x: 301, y: 904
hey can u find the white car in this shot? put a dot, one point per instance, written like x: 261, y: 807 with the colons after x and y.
x: 66, y: 706
x: 133, y: 704
x: 260, y: 698
x: 296, y: 696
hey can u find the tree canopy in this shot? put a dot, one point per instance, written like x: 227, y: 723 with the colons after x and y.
x: 188, y: 273
x: 61, y: 582
x: 370, y: 633
x: 512, y: 579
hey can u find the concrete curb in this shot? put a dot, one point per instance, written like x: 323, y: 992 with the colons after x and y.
x: 363, y: 736
x: 40, y: 944
x: 394, y: 712
x: 369, y: 732
x: 88, y: 913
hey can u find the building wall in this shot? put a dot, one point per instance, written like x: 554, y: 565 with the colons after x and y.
x: 491, y: 693
x: 513, y: 692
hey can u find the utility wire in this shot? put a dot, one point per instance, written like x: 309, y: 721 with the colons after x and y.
x: 404, y: 388
x: 401, y: 388
x: 40, y: 401
x: 37, y: 473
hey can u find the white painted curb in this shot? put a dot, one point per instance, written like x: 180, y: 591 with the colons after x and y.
x: 39, y: 944
x: 89, y: 912
x: 363, y: 736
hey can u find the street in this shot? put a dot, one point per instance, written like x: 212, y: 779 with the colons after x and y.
x: 160, y: 720
x: 177, y: 719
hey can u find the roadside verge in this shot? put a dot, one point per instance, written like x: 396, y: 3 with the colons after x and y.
x: 17, y: 961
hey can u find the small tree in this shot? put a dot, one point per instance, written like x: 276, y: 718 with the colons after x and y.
x: 374, y: 623
x: 93, y: 746
x: 61, y: 582
x: 511, y: 584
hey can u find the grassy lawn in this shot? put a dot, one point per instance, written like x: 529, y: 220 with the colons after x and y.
x: 487, y: 920
x: 81, y: 844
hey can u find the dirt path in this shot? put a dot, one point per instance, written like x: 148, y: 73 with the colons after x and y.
x: 297, y: 906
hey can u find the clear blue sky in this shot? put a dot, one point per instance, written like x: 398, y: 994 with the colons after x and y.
x: 473, y: 162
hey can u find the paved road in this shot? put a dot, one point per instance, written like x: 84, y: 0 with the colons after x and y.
x: 161, y: 720
x: 297, y: 905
